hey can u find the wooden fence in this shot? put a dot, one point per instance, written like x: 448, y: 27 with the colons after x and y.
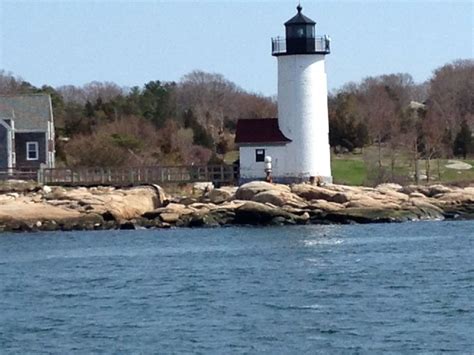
x: 218, y: 174
x: 19, y: 174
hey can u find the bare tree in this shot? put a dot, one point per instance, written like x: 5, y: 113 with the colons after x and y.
x: 379, y: 112
x: 11, y: 84
x: 433, y: 134
x: 72, y: 94
x: 91, y: 92
x: 209, y: 96
x: 451, y: 97
x: 215, y: 100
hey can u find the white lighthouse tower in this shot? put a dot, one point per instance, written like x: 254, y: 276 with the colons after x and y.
x: 302, y: 99
x: 298, y: 140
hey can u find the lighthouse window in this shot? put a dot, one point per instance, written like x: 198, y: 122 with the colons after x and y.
x: 259, y: 155
x: 296, y: 31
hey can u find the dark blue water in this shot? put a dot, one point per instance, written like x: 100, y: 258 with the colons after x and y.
x: 404, y: 288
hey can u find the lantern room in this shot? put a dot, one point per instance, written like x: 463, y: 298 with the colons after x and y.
x: 300, y: 37
x: 300, y: 26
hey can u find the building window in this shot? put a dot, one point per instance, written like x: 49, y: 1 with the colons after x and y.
x: 259, y: 155
x: 32, y: 151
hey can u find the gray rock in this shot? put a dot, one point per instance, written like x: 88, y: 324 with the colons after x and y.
x: 170, y: 217
x: 279, y: 198
x: 311, y: 192
x: 438, y: 189
x: 221, y: 195
x: 370, y: 215
x: 258, y: 213
x: 249, y: 190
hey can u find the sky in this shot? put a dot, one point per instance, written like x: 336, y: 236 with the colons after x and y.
x: 133, y: 42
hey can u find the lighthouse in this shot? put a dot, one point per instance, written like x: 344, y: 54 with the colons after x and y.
x: 298, y: 140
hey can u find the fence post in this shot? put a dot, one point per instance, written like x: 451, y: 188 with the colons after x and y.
x: 40, y: 175
x: 131, y: 176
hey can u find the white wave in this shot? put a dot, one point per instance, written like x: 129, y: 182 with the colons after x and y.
x: 322, y: 241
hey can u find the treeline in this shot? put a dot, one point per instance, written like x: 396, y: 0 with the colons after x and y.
x: 193, y: 121
x: 189, y: 122
x: 429, y: 120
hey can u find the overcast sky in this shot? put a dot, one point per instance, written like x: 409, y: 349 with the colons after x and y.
x: 133, y: 42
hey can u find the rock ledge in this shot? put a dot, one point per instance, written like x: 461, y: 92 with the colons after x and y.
x: 254, y: 203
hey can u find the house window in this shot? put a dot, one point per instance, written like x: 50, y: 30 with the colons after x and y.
x: 259, y: 155
x: 32, y: 151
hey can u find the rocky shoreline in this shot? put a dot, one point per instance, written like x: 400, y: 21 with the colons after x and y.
x: 34, y: 208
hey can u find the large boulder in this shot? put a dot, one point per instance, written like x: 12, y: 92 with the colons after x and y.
x: 409, y: 189
x: 279, y: 198
x: 312, y: 192
x: 463, y: 197
x: 131, y: 203
x: 258, y: 213
x: 228, y: 206
x: 438, y: 189
x: 121, y: 204
x: 326, y: 206
x: 170, y: 217
x: 424, y: 209
x: 417, y: 195
x: 388, y: 195
x: 25, y: 215
x: 25, y: 210
x: 214, y: 218
x: 161, y: 196
x: 249, y: 190
x: 370, y: 215
x: 369, y: 202
x: 222, y: 194
x: 172, y: 212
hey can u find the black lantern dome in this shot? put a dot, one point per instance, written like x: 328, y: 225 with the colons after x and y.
x: 300, y: 37
x: 300, y: 26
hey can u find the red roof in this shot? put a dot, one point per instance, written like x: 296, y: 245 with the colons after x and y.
x: 259, y: 130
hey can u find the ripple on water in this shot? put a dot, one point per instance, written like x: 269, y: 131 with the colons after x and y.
x: 322, y: 241
x: 404, y: 288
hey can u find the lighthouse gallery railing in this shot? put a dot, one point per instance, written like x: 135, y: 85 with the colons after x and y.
x: 318, y: 45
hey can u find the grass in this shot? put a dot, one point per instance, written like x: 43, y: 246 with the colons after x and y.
x: 348, y: 171
x: 351, y: 169
x: 361, y: 168
x: 453, y: 175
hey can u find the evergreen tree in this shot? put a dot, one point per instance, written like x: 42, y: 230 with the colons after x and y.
x: 201, y: 135
x: 463, y: 140
x: 155, y: 102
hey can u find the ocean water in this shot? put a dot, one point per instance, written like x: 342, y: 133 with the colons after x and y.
x: 400, y: 288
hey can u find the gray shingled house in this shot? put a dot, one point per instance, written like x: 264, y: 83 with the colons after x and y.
x: 26, y: 132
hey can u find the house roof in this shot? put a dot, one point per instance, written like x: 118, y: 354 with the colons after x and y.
x: 259, y: 130
x: 30, y: 111
x: 299, y: 19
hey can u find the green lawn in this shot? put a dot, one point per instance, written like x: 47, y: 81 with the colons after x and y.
x: 452, y: 175
x: 354, y: 169
x: 348, y: 171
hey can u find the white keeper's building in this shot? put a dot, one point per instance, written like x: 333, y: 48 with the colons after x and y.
x: 298, y: 140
